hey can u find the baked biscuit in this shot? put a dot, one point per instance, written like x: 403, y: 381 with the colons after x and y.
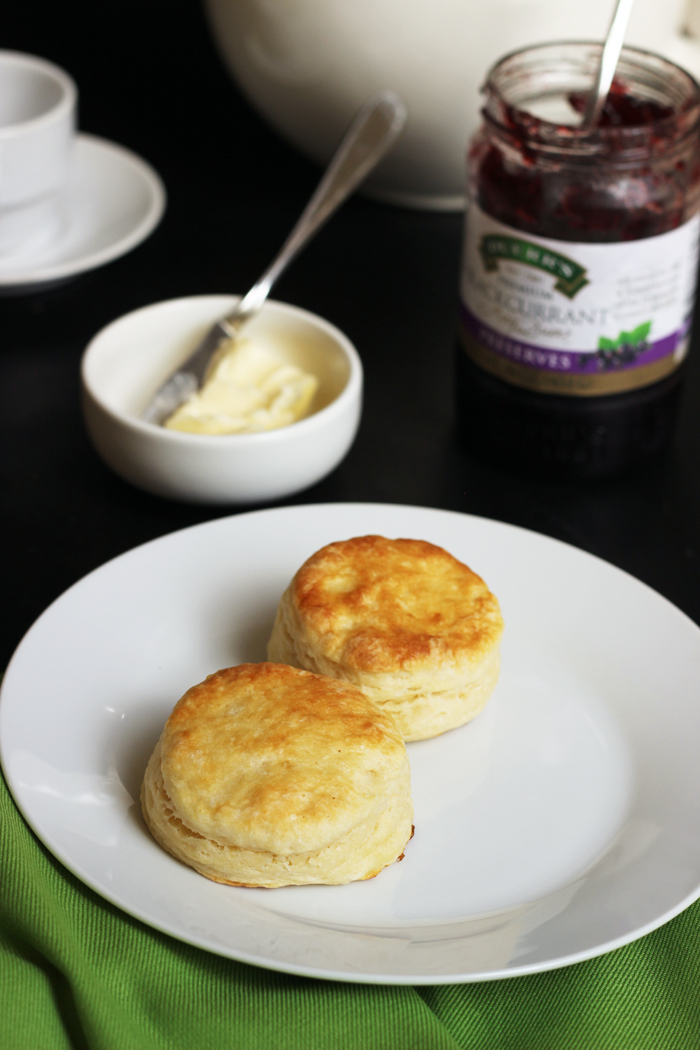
x: 266, y: 775
x: 410, y: 625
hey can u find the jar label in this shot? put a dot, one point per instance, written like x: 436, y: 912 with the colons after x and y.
x: 566, y: 317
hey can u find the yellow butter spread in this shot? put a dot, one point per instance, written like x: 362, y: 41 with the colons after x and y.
x: 251, y: 388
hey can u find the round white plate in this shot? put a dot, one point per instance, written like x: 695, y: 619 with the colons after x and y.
x: 561, y: 823
x: 111, y: 202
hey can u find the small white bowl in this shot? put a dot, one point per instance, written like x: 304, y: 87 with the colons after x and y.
x: 126, y: 362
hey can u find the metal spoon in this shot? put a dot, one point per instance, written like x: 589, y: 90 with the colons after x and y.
x: 609, y: 58
x: 370, y: 135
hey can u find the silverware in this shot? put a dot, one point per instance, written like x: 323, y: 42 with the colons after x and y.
x: 370, y: 135
x: 609, y: 58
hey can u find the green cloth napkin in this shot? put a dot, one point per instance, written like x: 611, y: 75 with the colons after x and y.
x: 77, y: 973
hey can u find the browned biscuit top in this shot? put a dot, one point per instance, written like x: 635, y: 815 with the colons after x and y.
x: 375, y: 604
x: 268, y: 757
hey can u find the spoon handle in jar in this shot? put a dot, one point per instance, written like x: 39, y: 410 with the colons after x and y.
x: 609, y: 58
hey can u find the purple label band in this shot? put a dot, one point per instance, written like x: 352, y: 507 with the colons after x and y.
x: 594, y: 362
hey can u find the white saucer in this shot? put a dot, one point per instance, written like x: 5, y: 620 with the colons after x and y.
x: 112, y: 202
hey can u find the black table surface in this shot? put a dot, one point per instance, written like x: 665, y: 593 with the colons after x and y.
x: 150, y: 79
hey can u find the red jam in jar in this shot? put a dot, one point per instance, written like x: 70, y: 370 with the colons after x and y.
x: 580, y: 262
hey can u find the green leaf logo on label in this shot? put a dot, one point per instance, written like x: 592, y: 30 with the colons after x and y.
x: 625, y: 349
x: 634, y: 338
x: 570, y: 278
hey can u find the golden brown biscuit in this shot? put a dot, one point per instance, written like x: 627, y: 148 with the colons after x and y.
x: 414, y: 628
x: 266, y: 775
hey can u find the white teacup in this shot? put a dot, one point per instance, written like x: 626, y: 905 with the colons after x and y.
x: 37, y: 130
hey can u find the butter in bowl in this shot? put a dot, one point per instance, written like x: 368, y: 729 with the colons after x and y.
x: 252, y: 386
x: 279, y: 410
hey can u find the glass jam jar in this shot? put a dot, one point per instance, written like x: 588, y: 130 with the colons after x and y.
x: 580, y: 262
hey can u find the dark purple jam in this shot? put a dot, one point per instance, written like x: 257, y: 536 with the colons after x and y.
x: 622, y: 109
x: 523, y: 181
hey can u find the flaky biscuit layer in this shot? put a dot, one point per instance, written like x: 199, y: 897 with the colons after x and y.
x: 266, y: 775
x: 359, y: 854
x: 403, y: 620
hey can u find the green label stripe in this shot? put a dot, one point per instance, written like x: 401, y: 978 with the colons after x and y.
x: 570, y: 277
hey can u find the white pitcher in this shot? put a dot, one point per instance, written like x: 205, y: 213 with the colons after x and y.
x: 308, y: 65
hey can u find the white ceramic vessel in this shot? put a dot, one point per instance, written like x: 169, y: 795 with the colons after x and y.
x: 37, y: 124
x: 308, y: 65
x: 129, y: 359
x: 111, y: 201
x: 559, y: 824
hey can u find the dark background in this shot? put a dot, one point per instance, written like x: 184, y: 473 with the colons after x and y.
x: 150, y: 79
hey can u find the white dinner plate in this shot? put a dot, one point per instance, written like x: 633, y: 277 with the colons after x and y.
x: 111, y: 202
x: 561, y: 823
